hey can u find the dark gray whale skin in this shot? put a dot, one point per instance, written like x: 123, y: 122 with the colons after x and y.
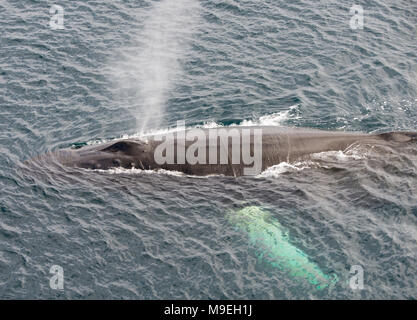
x: 278, y: 144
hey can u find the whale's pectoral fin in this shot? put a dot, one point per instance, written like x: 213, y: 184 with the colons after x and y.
x: 125, y: 147
x: 399, y: 136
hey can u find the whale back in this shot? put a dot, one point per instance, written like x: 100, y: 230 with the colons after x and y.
x: 278, y: 144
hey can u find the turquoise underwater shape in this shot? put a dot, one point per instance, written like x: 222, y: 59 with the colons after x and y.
x: 272, y: 244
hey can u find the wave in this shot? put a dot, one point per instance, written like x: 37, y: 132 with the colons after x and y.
x: 274, y: 119
x: 316, y: 160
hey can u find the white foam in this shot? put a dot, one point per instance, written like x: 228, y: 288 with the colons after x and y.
x: 285, y: 167
x: 356, y: 153
x: 317, y: 160
x: 274, y: 119
x: 136, y: 171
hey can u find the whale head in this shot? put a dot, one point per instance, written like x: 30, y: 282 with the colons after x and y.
x: 122, y: 153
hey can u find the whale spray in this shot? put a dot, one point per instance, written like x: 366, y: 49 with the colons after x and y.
x: 149, y: 66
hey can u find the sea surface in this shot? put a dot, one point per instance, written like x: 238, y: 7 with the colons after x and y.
x: 125, y: 68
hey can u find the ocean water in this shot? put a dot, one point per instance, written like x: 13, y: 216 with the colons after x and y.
x: 122, y: 68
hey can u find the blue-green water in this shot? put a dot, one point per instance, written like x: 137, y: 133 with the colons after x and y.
x: 121, y: 67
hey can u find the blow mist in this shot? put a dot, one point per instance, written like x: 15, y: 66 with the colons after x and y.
x: 148, y: 68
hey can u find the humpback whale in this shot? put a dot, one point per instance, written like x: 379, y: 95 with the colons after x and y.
x: 230, y: 151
